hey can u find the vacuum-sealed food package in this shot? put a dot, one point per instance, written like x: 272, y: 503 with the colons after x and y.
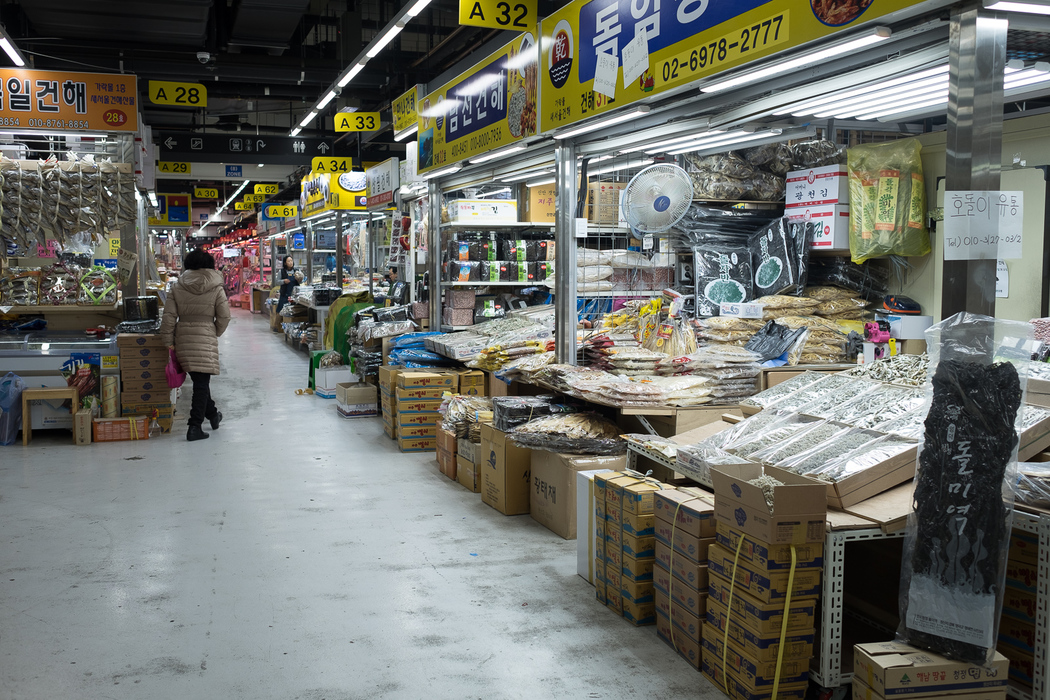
x: 723, y: 274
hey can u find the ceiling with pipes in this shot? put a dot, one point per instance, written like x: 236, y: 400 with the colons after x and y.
x: 264, y: 62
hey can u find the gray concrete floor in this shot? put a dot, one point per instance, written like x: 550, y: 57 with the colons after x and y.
x: 294, y: 554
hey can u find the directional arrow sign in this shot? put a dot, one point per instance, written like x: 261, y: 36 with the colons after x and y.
x: 226, y: 148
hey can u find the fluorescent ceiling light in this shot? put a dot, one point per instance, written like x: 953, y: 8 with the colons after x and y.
x: 350, y: 76
x: 537, y: 183
x: 525, y: 176
x: 407, y: 132
x: 1029, y: 7
x: 493, y: 193
x: 443, y: 171
x: 327, y: 98
x: 600, y: 123
x: 695, y: 139
x: 417, y: 8
x: 498, y: 154
x: 910, y: 110
x: 307, y: 119
x: 652, y: 147
x: 1038, y: 74
x: 903, y: 106
x: 296, y: 131
x: 719, y: 143
x: 381, y: 43
x: 879, y: 34
x: 878, y: 98
x: 12, y: 51
x: 696, y: 144
x: 800, y: 108
x: 153, y: 199
x: 619, y: 166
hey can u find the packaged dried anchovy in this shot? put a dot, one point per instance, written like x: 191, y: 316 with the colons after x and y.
x: 723, y: 274
x: 695, y: 461
x: 576, y: 433
x: 884, y: 404
x: 1033, y: 484
x: 819, y: 456
x: 751, y: 425
x: 870, y: 455
x: 1033, y: 415
x: 817, y: 434
x: 775, y: 433
x: 906, y: 425
x: 836, y: 384
x: 779, y: 391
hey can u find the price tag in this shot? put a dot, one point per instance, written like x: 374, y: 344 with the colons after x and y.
x: 647, y: 241
x: 50, y: 251
x: 1002, y: 280
x: 581, y: 228
x: 180, y: 168
x: 983, y: 225
x: 635, y: 55
x: 750, y: 310
x: 205, y: 193
x: 266, y: 189
x: 605, y: 75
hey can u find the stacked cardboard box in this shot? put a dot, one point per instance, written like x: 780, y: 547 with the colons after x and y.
x: 472, y: 382
x: 625, y: 544
x: 750, y: 570
x: 893, y: 669
x: 503, y: 472
x: 388, y: 398
x: 1017, y: 625
x: 355, y: 400
x: 684, y: 529
x: 446, y: 452
x: 418, y: 399
x: 467, y: 455
x: 143, y: 385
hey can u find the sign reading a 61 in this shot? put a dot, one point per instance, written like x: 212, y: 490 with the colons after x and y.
x: 281, y: 211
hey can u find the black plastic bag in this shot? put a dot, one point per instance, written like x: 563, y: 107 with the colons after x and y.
x: 773, y: 340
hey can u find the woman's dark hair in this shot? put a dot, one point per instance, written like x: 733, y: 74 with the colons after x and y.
x: 198, y: 260
x: 284, y: 262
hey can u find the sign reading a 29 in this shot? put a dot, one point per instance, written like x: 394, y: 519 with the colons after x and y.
x: 357, y: 121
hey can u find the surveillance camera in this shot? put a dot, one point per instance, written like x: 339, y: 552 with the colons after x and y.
x: 337, y: 90
x: 203, y: 56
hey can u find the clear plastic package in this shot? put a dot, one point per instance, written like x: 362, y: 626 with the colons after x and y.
x: 1033, y: 484
x: 830, y: 404
x: 817, y: 434
x: 695, y: 461
x: 575, y: 433
x: 829, y: 384
x: 775, y: 393
x: 773, y: 434
x: 870, y: 455
x: 881, y: 406
x: 816, y: 458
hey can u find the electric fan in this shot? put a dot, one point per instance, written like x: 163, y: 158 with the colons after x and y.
x: 657, y: 198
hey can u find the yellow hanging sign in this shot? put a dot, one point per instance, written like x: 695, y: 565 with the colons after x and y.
x: 242, y: 206
x: 515, y: 15
x: 357, y: 121
x: 490, y: 106
x: 684, y: 42
x: 266, y: 189
x: 332, y: 165
x: 162, y: 92
x: 179, y: 168
x: 281, y: 211
x: 205, y: 193
x: 254, y: 198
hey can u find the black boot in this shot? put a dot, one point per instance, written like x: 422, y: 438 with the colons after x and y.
x: 215, y: 420
x: 196, y: 433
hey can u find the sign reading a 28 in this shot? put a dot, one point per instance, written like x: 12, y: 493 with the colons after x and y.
x: 357, y: 121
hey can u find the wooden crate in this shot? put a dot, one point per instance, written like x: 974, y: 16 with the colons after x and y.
x: 118, y: 429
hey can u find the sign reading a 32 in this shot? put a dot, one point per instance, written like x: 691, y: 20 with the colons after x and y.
x: 281, y: 211
x: 498, y: 14
x: 357, y: 121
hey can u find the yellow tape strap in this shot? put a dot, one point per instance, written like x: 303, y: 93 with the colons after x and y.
x: 670, y: 575
x: 729, y: 615
x: 134, y: 429
x: 784, y: 622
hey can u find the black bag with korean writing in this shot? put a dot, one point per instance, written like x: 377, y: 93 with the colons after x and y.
x: 723, y: 275
x: 958, y: 537
x: 780, y: 257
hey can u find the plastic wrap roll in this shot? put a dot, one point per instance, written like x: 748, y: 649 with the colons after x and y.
x: 109, y: 388
x: 110, y: 408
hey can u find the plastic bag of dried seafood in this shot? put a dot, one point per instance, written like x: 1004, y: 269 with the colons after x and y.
x: 779, y: 391
x: 870, y: 455
x: 816, y: 434
x: 695, y: 461
x: 774, y: 433
x: 577, y: 433
x: 1033, y: 484
x: 821, y: 455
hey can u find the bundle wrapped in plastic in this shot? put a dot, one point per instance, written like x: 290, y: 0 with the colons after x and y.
x: 511, y: 411
x: 665, y: 447
x: 819, y: 456
x: 576, y: 433
x: 748, y: 426
x: 866, y: 280
x: 330, y: 359
x: 708, y: 357
x: 828, y: 385
x: 524, y: 366
x: 816, y: 154
x: 819, y: 433
x: 695, y: 461
x: 460, y: 411
x: 773, y: 434
x: 871, y: 455
x: 774, y: 157
x: 1033, y: 484
x: 773, y: 394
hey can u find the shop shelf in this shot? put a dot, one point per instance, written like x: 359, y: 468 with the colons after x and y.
x: 494, y: 284
x: 451, y: 226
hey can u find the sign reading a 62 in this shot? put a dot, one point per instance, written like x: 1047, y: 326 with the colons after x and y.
x: 357, y: 121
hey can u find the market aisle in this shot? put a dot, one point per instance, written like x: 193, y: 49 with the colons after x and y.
x: 292, y: 555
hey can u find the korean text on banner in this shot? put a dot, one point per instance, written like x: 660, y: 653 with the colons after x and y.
x: 983, y: 225
x: 70, y: 101
x: 404, y: 108
x: 491, y: 105
x: 381, y: 182
x: 686, y: 41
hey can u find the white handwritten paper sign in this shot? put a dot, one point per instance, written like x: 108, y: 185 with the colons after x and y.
x: 605, y: 75
x: 983, y: 225
x: 635, y: 55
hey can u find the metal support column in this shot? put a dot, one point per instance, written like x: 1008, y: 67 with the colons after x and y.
x: 308, y: 246
x: 565, y: 253
x: 373, y: 254
x: 434, y: 242
x: 141, y: 231
x: 340, y: 245
x: 977, y: 63
x: 273, y: 262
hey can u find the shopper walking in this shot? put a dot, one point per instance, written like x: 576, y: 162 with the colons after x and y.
x: 288, y: 281
x: 196, y: 313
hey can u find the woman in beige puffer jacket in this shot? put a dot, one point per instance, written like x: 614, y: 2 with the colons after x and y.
x: 196, y: 313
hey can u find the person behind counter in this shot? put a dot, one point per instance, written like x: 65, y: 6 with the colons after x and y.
x: 288, y: 281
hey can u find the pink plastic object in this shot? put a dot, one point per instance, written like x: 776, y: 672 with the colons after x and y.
x: 173, y: 371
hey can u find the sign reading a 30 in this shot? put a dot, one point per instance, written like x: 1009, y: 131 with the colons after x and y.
x: 357, y: 121
x: 205, y: 193
x: 281, y: 211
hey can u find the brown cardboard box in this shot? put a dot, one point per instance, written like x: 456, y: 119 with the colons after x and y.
x: 447, y: 381
x: 637, y: 499
x: 165, y: 413
x: 757, y: 677
x: 639, y: 614
x: 144, y: 353
x: 688, y: 648
x: 863, y: 692
x: 466, y: 449
x: 161, y: 396
x: 763, y: 618
x: 552, y: 500
x: 355, y: 394
x: 894, y: 668
x: 769, y: 557
x: 82, y: 427
x: 759, y: 647
x: 388, y: 427
x: 444, y: 458
x: 447, y: 441
x: 471, y: 378
x: 466, y: 474
x: 134, y: 374
x: 140, y: 340
x: 689, y: 571
x: 388, y: 377
x: 133, y: 386
x: 415, y: 393
x: 429, y: 419
x: 693, y: 516
x: 766, y: 586
x: 539, y: 207
x: 504, y: 469
x: 738, y: 691
x: 799, y: 510
x: 1019, y: 604
x: 636, y: 569
x: 417, y: 431
x: 1024, y: 547
x: 695, y: 548
x: 603, y: 202
x: 694, y: 601
x: 138, y: 364
x: 682, y: 619
x: 420, y: 444
x: 1022, y: 666
x: 416, y: 405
